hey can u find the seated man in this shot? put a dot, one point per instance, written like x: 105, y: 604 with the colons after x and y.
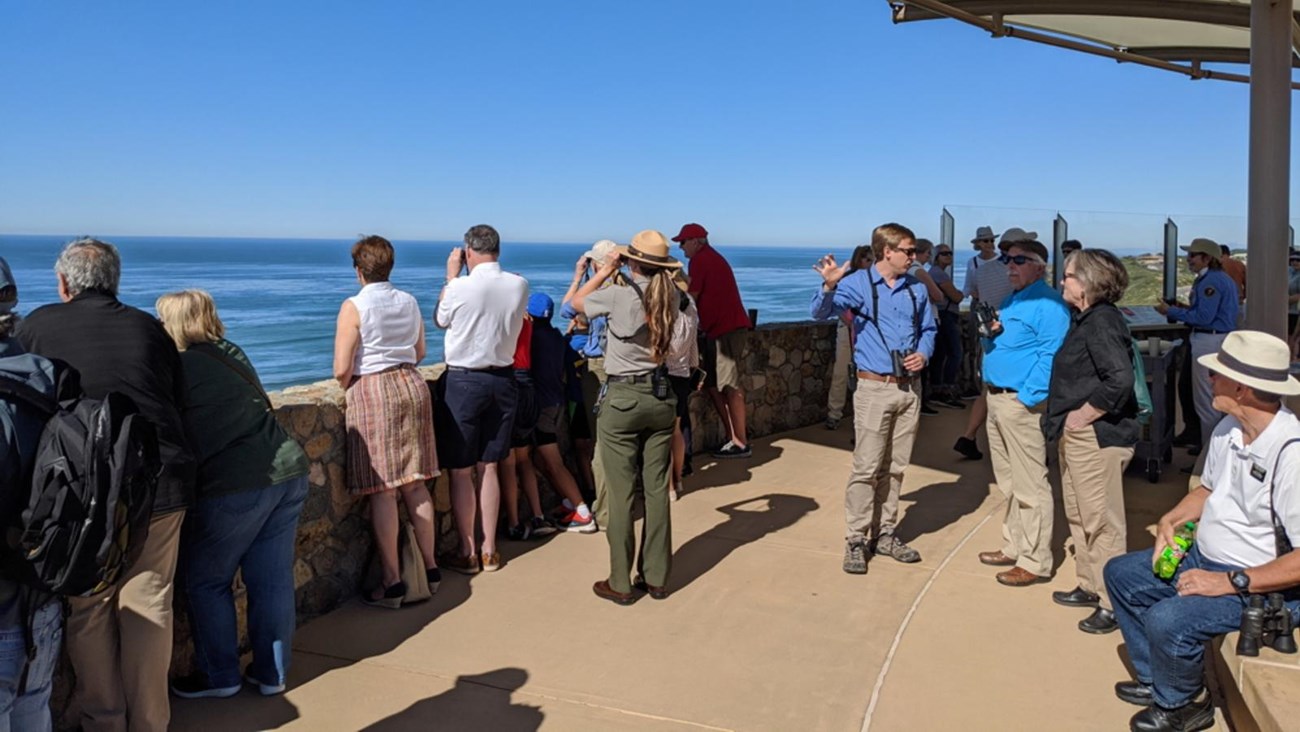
x: 1251, y: 480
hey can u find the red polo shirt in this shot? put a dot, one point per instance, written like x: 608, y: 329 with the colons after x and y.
x: 716, y: 296
x: 524, y: 346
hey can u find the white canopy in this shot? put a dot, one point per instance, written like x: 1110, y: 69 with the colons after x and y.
x: 1183, y: 36
x: 1178, y: 35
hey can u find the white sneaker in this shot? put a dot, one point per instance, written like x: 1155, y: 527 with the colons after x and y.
x: 263, y: 689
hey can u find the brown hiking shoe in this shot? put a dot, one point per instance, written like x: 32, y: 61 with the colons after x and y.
x: 996, y: 559
x: 1020, y: 577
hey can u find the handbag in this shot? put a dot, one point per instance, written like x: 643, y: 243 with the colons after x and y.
x: 1140, y: 390
x: 411, y: 565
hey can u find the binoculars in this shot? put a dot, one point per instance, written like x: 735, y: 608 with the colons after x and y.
x: 896, y: 359
x: 1268, y: 621
x: 986, y: 320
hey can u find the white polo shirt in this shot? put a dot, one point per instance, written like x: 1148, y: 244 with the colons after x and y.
x: 1236, y: 526
x: 483, y: 315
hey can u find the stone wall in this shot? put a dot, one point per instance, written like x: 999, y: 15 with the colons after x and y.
x: 786, y: 370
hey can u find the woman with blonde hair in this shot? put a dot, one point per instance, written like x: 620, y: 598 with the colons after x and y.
x: 378, y: 342
x: 252, y: 482
x: 638, y: 410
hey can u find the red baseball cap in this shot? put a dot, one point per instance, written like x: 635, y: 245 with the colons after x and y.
x: 692, y: 231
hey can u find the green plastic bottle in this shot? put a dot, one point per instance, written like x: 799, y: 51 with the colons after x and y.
x: 1167, y: 564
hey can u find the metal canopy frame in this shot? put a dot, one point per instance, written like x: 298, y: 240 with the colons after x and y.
x: 1014, y: 19
x: 1269, y: 45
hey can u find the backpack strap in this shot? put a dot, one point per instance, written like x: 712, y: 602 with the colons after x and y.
x: 1279, y: 531
x: 47, y: 405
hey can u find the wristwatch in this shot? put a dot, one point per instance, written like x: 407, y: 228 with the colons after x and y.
x: 1240, y: 581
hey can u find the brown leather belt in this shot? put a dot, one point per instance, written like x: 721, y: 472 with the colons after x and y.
x: 885, y: 378
x: 999, y: 390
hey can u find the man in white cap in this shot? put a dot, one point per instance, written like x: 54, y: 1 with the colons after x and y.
x: 24, y: 612
x: 1248, y: 508
x: 987, y: 280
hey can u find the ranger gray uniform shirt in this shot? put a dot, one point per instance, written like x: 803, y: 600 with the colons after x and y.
x: 627, y: 349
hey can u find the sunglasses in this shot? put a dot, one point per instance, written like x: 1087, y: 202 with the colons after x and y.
x: 1019, y: 259
x: 943, y: 254
x: 911, y: 252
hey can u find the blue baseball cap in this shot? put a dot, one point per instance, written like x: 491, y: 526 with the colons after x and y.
x: 540, y: 305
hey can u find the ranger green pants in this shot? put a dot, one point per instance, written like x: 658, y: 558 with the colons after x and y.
x: 632, y: 422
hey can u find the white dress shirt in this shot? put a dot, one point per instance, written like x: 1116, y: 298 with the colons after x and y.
x: 483, y: 315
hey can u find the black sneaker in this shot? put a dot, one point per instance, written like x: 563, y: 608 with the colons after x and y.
x: 539, y: 527
x: 520, y: 532
x: 1190, y: 717
x: 196, y: 686
x: 928, y: 410
x: 732, y: 450
x: 968, y: 449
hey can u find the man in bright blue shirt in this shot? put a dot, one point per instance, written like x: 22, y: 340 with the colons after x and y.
x: 1212, y: 315
x: 1017, y: 369
x: 895, y: 329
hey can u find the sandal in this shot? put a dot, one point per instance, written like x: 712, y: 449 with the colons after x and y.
x: 392, y: 598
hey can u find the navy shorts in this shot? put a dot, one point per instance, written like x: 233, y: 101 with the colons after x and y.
x: 474, y: 416
x: 525, y: 422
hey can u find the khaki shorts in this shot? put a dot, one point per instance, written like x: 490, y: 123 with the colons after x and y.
x: 722, y: 360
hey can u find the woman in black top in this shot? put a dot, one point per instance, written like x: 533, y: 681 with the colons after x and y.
x: 1092, y: 410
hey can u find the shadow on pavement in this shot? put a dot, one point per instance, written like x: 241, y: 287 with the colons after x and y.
x: 747, y: 521
x: 477, y: 702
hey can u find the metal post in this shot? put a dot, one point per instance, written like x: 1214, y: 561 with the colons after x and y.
x: 1267, y: 231
x: 1060, y: 232
x: 1172, y: 262
x: 947, y: 231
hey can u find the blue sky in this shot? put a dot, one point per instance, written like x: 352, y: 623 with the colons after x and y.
x: 769, y: 122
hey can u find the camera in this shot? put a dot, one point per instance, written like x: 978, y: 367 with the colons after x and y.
x: 896, y: 359
x: 986, y: 320
x: 1266, y: 621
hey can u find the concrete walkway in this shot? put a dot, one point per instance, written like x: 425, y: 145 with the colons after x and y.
x: 763, y: 630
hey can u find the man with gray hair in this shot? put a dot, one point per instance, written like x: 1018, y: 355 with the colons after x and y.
x: 483, y: 314
x: 120, y: 641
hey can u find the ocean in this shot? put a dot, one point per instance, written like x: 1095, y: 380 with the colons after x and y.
x: 279, y: 297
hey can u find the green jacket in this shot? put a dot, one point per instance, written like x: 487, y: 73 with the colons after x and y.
x: 230, y: 426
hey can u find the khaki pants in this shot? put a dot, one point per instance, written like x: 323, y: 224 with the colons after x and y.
x: 592, y: 381
x: 1019, y: 453
x: 1202, y: 387
x: 120, y: 641
x: 885, y: 421
x: 634, y: 422
x: 1092, y: 488
x: 840, y: 372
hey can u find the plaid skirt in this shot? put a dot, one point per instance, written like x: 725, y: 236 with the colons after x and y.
x: 390, y: 431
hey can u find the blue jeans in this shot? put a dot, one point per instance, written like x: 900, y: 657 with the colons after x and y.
x: 253, y: 531
x: 29, y: 712
x: 1166, y: 633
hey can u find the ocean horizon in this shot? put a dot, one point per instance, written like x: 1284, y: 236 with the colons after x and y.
x: 279, y: 298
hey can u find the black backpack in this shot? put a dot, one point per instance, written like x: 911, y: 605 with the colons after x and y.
x: 86, y: 512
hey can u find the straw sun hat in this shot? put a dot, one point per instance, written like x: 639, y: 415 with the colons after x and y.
x: 650, y: 247
x: 1256, y: 359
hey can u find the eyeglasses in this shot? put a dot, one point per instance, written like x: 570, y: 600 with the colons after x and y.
x: 1019, y: 259
x: 911, y: 252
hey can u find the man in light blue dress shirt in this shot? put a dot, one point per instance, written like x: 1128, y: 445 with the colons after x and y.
x: 1017, y: 369
x: 894, y: 330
